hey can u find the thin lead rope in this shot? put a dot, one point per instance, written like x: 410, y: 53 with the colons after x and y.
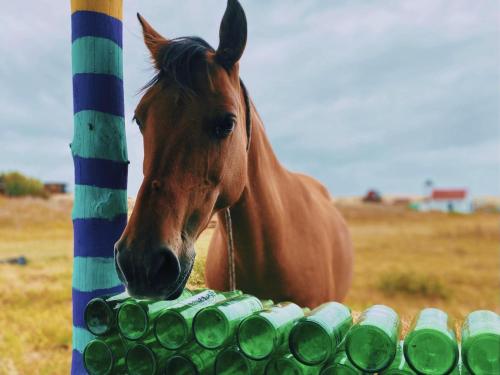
x: 230, y: 250
x: 227, y: 213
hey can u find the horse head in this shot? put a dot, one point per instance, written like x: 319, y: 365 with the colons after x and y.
x: 194, y: 118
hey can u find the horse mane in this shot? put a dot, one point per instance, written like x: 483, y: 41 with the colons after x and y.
x: 177, y: 60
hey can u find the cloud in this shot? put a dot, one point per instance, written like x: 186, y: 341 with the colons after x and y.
x: 359, y: 94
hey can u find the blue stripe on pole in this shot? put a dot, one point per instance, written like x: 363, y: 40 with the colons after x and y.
x: 77, y: 366
x: 85, y: 23
x: 95, y: 237
x: 103, y: 273
x: 100, y: 172
x: 80, y: 300
x: 81, y: 338
x: 99, y: 92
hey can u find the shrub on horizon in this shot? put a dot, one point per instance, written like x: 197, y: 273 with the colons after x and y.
x: 15, y: 184
x: 413, y: 284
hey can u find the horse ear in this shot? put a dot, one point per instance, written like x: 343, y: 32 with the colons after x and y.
x: 153, y: 40
x: 232, y: 35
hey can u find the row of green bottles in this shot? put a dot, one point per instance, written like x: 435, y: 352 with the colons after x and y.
x: 141, y: 359
x: 254, y: 337
x: 134, y: 321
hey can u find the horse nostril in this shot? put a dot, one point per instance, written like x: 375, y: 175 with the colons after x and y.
x: 165, y: 268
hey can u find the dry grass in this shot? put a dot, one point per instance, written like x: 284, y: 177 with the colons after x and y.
x: 403, y: 259
x: 35, y: 300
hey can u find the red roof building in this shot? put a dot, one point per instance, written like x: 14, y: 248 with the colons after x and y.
x: 448, y: 194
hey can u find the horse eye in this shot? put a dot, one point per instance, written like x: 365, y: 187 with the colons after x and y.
x: 224, y: 127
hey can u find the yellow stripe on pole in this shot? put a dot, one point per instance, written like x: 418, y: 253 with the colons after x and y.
x: 111, y: 8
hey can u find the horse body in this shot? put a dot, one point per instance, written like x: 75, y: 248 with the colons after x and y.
x: 290, y: 241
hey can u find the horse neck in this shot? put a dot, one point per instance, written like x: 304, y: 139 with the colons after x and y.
x: 254, y: 215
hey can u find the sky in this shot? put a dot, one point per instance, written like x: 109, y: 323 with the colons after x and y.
x: 359, y: 94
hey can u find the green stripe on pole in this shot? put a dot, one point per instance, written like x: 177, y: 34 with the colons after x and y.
x: 105, y: 59
x: 104, y: 203
x: 104, y: 273
x: 99, y: 135
x: 81, y: 337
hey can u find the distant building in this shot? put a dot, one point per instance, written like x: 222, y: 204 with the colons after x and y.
x: 372, y: 196
x: 55, y: 187
x: 448, y: 200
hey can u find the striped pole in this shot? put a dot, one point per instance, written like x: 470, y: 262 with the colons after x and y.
x: 100, y: 156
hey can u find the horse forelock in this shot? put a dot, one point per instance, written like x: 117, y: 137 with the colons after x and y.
x: 178, y: 61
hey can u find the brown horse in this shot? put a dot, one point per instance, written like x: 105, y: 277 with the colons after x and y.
x: 205, y: 150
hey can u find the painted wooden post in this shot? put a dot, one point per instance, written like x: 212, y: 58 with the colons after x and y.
x: 100, y: 156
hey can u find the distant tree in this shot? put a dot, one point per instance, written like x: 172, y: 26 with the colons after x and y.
x: 16, y: 184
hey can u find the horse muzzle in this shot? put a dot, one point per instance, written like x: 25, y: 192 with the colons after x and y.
x: 151, y: 273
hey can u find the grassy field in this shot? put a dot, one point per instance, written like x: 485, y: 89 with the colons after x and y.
x: 403, y: 259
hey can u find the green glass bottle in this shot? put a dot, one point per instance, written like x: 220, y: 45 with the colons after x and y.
x: 315, y: 337
x: 372, y: 342
x: 134, y: 316
x: 431, y: 346
x: 173, y: 327
x: 340, y: 365
x: 147, y: 358
x: 287, y: 364
x: 215, y: 326
x: 232, y: 361
x: 192, y: 360
x: 481, y: 342
x: 100, y: 313
x: 105, y: 356
x: 399, y: 366
x: 264, y: 332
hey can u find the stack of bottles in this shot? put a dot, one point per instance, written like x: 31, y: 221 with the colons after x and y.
x: 205, y: 332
